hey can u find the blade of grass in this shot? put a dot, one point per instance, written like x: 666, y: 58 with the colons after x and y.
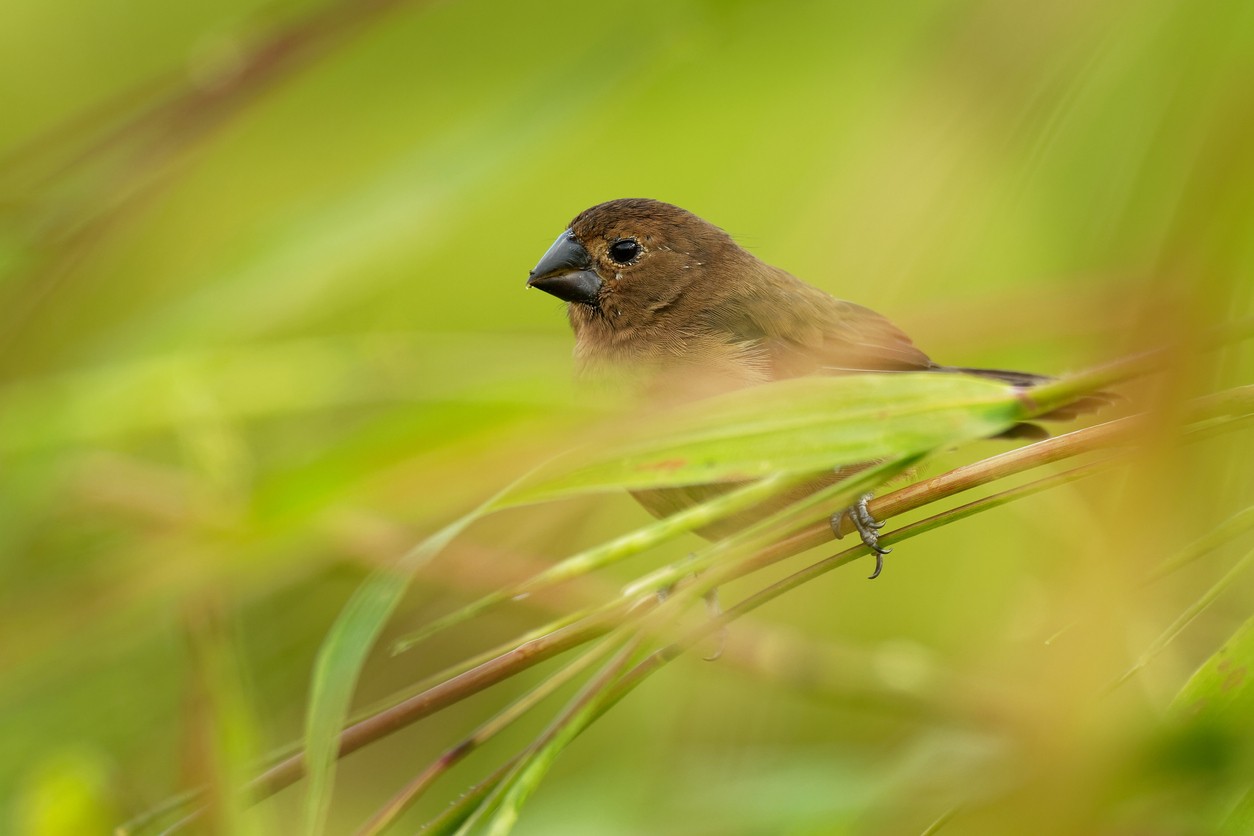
x: 791, y: 426
x: 772, y: 527
x: 636, y: 541
x: 1219, y: 693
x: 342, y: 655
x: 540, y: 753
x: 1229, y: 529
x: 1191, y: 612
x: 618, y: 549
x: 586, y: 707
x: 388, y: 814
x: 458, y: 811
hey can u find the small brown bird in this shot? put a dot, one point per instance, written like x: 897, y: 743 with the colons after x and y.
x: 656, y: 292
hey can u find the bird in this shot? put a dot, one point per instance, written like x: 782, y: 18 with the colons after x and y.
x: 657, y: 294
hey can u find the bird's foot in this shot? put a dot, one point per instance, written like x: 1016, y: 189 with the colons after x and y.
x: 868, y: 529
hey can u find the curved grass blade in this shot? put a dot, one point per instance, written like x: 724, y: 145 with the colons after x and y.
x: 342, y: 654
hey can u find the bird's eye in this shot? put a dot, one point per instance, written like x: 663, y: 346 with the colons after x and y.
x: 625, y: 251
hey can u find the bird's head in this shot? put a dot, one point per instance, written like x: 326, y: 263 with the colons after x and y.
x: 627, y: 262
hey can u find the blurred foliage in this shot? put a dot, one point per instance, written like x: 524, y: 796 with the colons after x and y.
x: 262, y: 328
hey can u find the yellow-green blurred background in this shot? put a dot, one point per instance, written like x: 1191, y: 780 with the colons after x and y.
x: 263, y: 326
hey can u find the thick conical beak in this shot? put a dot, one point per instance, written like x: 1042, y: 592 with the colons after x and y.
x: 567, y: 272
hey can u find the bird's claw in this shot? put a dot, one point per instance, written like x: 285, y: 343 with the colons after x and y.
x: 868, y: 529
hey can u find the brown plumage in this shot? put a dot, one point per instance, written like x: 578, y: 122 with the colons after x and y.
x: 657, y: 293
x: 692, y: 298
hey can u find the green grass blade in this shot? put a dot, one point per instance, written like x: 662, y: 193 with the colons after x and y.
x: 1229, y: 529
x: 619, y: 548
x: 1221, y: 692
x: 342, y: 655
x: 1182, y: 621
x: 526, y: 777
x: 770, y: 528
x: 790, y: 426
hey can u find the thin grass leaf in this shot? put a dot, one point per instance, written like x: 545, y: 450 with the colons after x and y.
x: 387, y: 814
x: 451, y: 819
x: 1182, y: 621
x: 1046, y: 397
x: 941, y: 821
x: 619, y: 548
x: 150, y: 818
x: 791, y: 426
x: 340, y: 660
x: 769, y: 528
x: 1229, y: 529
x: 523, y: 780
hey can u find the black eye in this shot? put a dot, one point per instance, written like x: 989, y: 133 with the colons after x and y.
x: 625, y: 251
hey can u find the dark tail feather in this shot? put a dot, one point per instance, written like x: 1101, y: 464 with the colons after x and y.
x: 1025, y: 432
x: 1089, y: 403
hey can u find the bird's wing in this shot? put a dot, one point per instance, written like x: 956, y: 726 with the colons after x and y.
x: 803, y: 331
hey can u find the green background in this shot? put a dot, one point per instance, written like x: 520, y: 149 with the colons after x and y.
x: 263, y: 326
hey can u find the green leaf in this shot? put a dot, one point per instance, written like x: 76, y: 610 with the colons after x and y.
x: 342, y: 655
x: 1210, y: 732
x: 1221, y: 692
x: 790, y: 426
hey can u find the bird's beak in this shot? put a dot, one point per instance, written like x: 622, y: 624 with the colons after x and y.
x: 567, y: 272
